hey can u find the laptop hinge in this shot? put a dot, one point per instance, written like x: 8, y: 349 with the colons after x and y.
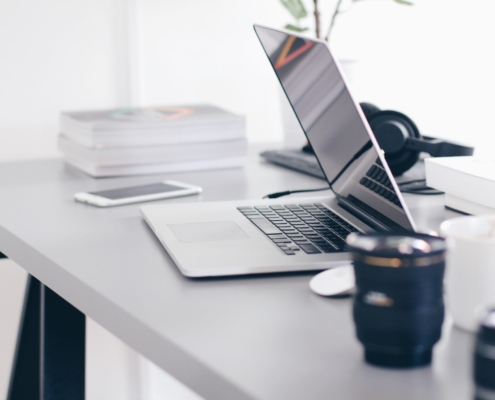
x: 377, y: 221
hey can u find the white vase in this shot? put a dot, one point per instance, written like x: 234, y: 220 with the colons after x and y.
x: 349, y: 67
x: 293, y: 134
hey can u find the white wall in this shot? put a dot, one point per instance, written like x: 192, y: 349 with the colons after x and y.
x: 56, y: 55
x: 432, y: 61
x: 206, y: 51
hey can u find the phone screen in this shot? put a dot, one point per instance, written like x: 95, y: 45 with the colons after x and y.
x: 135, y: 191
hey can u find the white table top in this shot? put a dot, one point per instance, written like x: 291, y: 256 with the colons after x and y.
x: 254, y: 337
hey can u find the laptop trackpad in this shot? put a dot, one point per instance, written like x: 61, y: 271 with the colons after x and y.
x: 207, y: 231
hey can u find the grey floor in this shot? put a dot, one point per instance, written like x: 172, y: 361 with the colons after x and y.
x: 113, y: 369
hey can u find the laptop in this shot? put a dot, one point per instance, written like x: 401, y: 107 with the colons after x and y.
x: 295, y: 159
x: 294, y: 234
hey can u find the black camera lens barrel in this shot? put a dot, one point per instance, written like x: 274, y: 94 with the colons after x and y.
x: 484, y: 358
x: 398, y: 307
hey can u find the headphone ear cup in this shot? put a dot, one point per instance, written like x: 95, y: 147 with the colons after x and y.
x: 368, y: 109
x: 391, y: 129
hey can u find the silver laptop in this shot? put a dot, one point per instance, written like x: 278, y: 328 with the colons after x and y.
x: 294, y: 234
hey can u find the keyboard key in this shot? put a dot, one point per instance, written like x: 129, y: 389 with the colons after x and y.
x: 329, y: 244
x: 255, y: 216
x: 281, y: 241
x: 316, y: 227
x: 245, y: 208
x: 309, y: 248
x: 266, y: 226
x: 290, y: 253
x: 281, y: 236
x: 332, y: 237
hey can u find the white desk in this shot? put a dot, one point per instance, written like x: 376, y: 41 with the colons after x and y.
x: 255, y: 337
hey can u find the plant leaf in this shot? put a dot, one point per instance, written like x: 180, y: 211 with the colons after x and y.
x: 296, y: 8
x: 294, y: 28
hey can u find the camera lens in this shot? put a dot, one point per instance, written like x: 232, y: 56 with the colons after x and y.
x: 484, y: 358
x: 398, y: 307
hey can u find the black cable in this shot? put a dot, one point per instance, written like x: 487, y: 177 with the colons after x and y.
x: 409, y: 182
x: 286, y: 193
x: 422, y: 192
x: 426, y: 190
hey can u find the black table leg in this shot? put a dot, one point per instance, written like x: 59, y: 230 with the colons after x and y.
x: 50, y: 356
x: 25, y: 376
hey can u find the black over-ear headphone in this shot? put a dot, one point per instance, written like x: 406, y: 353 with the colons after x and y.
x: 401, y: 141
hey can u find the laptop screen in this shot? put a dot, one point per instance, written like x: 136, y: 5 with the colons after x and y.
x: 337, y: 130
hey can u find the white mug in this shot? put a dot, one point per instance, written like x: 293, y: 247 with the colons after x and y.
x: 470, y: 267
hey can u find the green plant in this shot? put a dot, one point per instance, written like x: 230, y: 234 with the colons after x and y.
x: 297, y: 9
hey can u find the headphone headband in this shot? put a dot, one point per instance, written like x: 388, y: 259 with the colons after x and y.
x: 401, y: 141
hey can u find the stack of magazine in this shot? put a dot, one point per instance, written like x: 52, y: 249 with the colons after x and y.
x: 131, y: 141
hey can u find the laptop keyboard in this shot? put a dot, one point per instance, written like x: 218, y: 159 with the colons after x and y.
x: 312, y: 228
x: 376, y: 179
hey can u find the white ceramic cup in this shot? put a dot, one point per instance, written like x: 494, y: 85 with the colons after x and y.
x: 470, y: 267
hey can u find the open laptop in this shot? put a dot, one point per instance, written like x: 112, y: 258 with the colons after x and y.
x: 294, y: 234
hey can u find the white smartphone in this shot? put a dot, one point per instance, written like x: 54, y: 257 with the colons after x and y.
x: 137, y: 194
